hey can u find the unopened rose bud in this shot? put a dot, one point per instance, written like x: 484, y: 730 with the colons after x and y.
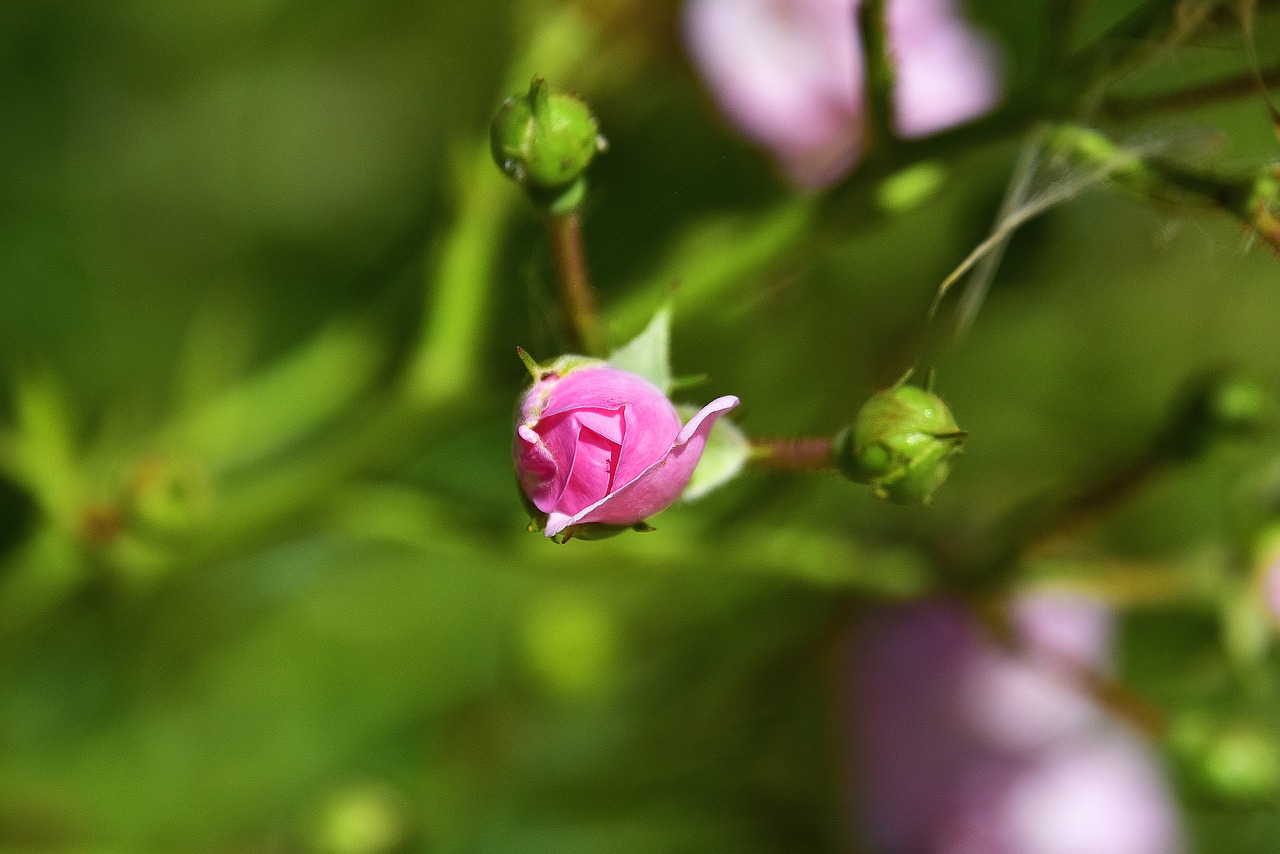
x: 598, y: 449
x: 900, y: 444
x: 544, y: 141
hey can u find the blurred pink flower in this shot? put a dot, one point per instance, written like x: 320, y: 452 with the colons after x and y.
x: 789, y: 74
x: 1269, y: 582
x: 962, y: 747
x: 600, y: 445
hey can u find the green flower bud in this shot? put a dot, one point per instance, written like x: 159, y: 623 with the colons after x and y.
x: 1231, y: 762
x: 362, y: 819
x: 544, y: 142
x: 1241, y: 765
x: 900, y: 445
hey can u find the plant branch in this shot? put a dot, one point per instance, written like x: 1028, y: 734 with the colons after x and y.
x: 795, y: 455
x: 1128, y: 109
x: 582, y: 328
x: 878, y: 67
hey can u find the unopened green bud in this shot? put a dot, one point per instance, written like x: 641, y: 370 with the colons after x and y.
x: 544, y: 141
x: 1231, y: 761
x: 1242, y: 765
x: 908, y: 189
x: 900, y: 444
x: 363, y: 819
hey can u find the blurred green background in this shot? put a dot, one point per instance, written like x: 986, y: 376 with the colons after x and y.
x: 239, y: 612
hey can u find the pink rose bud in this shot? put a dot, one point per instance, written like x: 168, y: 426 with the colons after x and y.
x: 789, y: 74
x: 598, y: 445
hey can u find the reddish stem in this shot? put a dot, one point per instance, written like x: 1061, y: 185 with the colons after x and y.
x: 577, y: 299
x: 793, y: 454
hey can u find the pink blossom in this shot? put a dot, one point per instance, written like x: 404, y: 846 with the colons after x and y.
x: 598, y: 445
x: 962, y: 746
x: 789, y: 74
x: 1269, y: 581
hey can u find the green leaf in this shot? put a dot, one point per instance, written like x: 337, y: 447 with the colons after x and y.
x: 725, y: 455
x: 295, y: 663
x: 649, y: 353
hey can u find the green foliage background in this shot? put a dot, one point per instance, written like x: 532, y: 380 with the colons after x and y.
x: 320, y: 632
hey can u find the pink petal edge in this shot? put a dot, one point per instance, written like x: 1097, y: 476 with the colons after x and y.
x: 659, y: 484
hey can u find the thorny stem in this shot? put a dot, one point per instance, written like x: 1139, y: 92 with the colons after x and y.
x: 583, y: 331
x: 797, y: 455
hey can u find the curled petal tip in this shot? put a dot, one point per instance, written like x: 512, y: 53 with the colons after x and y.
x: 556, y: 522
x: 712, y: 411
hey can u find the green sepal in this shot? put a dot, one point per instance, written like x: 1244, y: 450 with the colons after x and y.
x: 649, y: 354
x: 560, y: 366
x: 559, y: 201
x: 596, y: 531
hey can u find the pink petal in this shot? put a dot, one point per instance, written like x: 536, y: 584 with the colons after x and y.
x: 789, y: 74
x: 658, y: 485
x: 548, y: 448
x: 595, y: 461
x: 536, y: 468
x: 947, y: 71
x: 603, y: 387
x: 1271, y: 585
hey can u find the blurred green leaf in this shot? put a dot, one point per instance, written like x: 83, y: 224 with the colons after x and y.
x: 649, y: 353
x: 362, y: 642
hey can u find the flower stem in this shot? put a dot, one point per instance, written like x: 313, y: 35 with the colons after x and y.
x: 461, y: 287
x: 879, y: 74
x: 1095, y: 502
x: 1126, y: 109
x: 794, y: 454
x: 583, y: 331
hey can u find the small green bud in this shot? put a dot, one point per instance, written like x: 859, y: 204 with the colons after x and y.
x: 1232, y: 762
x: 1240, y: 405
x: 909, y: 188
x: 1241, y: 765
x: 900, y: 444
x: 363, y: 819
x: 544, y: 142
